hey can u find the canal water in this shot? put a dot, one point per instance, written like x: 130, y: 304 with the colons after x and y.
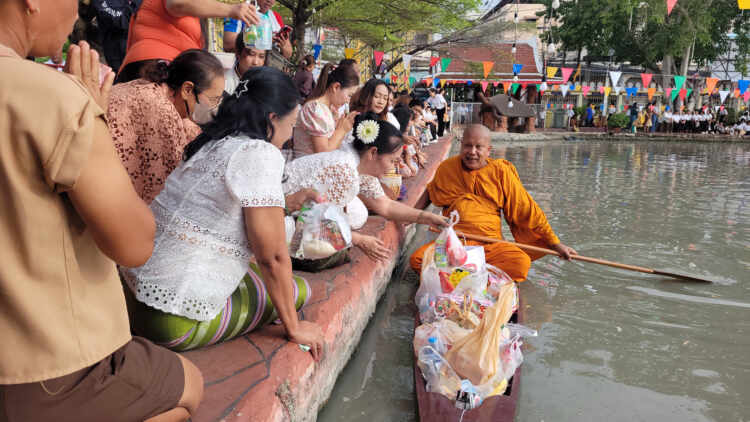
x: 613, y: 345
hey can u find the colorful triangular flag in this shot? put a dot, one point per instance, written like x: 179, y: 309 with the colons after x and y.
x: 689, y: 91
x: 651, y: 92
x: 646, y: 78
x: 551, y: 71
x: 316, y: 50
x: 670, y: 6
x: 517, y: 68
x: 566, y: 72
x: 506, y: 88
x: 349, y: 53
x: 565, y: 88
x: 678, y: 81
x: 378, y: 57
x: 487, y: 67
x: 711, y: 85
x: 444, y: 63
x: 434, y: 61
x: 723, y: 95
x: 746, y: 96
x: 668, y: 93
x: 484, y: 85
x: 743, y: 84
x: 585, y: 90
x: 615, y: 76
x: 514, y: 88
x: 607, y: 90
x: 407, y: 61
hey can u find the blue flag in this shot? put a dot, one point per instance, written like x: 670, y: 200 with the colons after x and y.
x: 743, y: 84
x: 316, y: 50
x: 435, y: 82
x: 517, y: 68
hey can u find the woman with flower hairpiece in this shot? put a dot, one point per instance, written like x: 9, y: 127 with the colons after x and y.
x: 350, y: 174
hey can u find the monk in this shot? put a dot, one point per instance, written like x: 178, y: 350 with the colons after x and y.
x: 480, y: 188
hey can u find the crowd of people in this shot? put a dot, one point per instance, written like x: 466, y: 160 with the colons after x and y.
x: 152, y: 199
x: 652, y: 118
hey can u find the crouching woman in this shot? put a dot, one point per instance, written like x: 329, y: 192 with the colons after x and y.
x: 220, y: 266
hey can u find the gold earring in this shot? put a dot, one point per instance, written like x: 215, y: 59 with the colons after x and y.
x: 30, y: 11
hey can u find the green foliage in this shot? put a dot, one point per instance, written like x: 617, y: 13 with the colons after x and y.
x: 580, y: 111
x: 620, y: 120
x: 732, y: 116
x: 641, y: 32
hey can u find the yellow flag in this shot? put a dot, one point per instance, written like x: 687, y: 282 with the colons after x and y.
x: 349, y: 53
x: 607, y: 90
x: 743, y: 4
x: 551, y: 70
x: 442, y: 83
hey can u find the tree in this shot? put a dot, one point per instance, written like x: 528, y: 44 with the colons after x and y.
x: 379, y: 23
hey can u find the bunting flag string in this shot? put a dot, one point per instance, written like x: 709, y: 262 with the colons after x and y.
x: 615, y: 76
x: 316, y: 50
x: 646, y: 78
x: 566, y: 72
x: 349, y: 53
x: 743, y: 84
x: 668, y: 93
x: 484, y: 86
x: 434, y: 61
x: 551, y: 71
x: 585, y: 90
x: 564, y: 89
x: 651, y: 92
x: 601, y: 90
x: 506, y: 87
x: 607, y: 90
x: 378, y: 57
x: 517, y: 68
x: 631, y: 91
x: 487, y: 68
x: 496, y: 83
x: 746, y: 96
x: 514, y: 88
x: 435, y: 82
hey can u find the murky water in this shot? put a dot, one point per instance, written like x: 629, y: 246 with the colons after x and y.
x: 613, y: 345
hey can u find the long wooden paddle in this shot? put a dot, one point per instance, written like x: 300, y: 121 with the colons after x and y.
x: 525, y: 247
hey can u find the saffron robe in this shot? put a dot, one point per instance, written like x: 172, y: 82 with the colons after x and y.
x: 480, y: 197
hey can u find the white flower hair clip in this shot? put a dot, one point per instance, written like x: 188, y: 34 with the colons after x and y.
x: 367, y: 131
x: 241, y: 88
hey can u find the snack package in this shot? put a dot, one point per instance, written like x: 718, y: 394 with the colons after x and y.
x: 449, y: 251
x: 322, y: 230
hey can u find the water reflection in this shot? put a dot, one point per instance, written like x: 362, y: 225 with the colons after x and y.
x: 626, y: 346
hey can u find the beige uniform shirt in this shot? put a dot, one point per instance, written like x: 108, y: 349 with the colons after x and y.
x: 61, y: 302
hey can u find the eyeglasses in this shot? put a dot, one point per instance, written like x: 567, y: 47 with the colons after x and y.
x: 213, y: 102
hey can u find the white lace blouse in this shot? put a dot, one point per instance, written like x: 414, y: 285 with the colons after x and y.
x: 336, y: 173
x: 201, y: 250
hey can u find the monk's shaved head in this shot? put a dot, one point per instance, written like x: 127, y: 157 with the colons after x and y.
x: 475, y: 147
x: 477, y: 131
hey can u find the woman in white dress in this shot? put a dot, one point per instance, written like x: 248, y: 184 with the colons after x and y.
x: 221, y: 266
x: 348, y: 175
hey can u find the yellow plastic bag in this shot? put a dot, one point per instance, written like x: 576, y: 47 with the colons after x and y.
x: 476, y: 357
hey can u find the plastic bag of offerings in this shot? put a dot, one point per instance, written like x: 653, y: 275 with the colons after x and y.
x: 322, y: 237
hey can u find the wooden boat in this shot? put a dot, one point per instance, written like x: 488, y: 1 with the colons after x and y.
x: 434, y: 407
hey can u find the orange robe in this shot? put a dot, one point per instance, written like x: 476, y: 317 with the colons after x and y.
x: 480, y: 196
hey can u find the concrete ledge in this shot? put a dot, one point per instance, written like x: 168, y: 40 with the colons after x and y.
x: 262, y: 377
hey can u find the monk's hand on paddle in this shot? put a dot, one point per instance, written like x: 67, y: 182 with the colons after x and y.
x: 565, y: 251
x: 437, y: 222
x: 83, y: 62
x: 309, y: 334
x: 371, y: 246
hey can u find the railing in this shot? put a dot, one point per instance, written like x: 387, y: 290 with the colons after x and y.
x: 463, y: 114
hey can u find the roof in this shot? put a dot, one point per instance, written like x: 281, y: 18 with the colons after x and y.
x: 467, y: 61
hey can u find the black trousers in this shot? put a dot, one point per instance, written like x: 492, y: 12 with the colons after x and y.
x: 441, y: 123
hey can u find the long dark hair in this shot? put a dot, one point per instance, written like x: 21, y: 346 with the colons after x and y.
x: 197, y: 66
x: 344, y: 75
x: 262, y: 91
x: 364, y: 97
x: 389, y: 138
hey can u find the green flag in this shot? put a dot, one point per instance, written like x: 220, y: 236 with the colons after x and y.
x: 675, y: 92
x: 689, y: 91
x: 679, y: 81
x: 412, y: 80
x: 444, y: 63
x: 514, y: 88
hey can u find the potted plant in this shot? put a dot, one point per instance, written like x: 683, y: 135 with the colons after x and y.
x: 617, y: 122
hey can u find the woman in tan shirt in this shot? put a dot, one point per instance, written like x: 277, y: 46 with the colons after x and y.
x: 68, y: 211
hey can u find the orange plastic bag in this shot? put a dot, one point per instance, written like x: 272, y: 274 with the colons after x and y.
x: 476, y: 357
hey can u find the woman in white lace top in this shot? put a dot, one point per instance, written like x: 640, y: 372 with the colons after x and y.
x: 346, y: 175
x: 220, y: 266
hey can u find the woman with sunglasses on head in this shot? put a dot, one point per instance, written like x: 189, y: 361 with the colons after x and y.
x: 153, y: 119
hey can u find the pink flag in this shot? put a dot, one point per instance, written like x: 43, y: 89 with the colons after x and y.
x: 670, y: 6
x: 378, y: 58
x: 668, y: 91
x: 646, y: 77
x: 496, y: 83
x: 566, y: 72
x: 484, y: 85
x: 682, y: 93
x: 585, y: 90
x: 601, y: 90
x: 746, y: 95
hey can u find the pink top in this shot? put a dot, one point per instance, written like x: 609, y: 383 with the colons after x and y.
x: 149, y: 134
x: 315, y: 119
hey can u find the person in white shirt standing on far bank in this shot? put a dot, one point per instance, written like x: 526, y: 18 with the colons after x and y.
x: 438, y: 103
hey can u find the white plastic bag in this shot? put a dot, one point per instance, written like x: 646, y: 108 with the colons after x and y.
x: 325, y: 231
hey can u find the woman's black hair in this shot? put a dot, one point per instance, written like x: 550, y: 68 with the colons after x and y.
x: 389, y: 138
x: 365, y: 95
x: 262, y: 91
x: 239, y: 48
x: 346, y: 76
x: 197, y: 66
x: 307, y: 61
x: 403, y: 114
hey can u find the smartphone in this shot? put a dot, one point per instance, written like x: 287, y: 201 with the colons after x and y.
x: 286, y: 30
